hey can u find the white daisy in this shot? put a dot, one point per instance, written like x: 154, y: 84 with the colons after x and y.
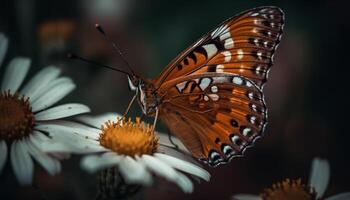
x: 22, y: 109
x: 132, y: 147
x: 318, y: 182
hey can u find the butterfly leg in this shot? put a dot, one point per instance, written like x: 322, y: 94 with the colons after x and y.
x: 129, y: 106
x: 155, y: 119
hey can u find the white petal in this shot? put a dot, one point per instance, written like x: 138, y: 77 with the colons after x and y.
x: 56, y: 91
x: 319, y: 178
x: 134, y: 172
x: 246, y: 197
x: 51, y: 165
x: 60, y: 148
x: 15, y: 73
x: 184, y: 166
x: 164, y: 170
x: 68, y: 138
x: 93, y: 163
x: 164, y: 139
x: 98, y: 121
x: 62, y: 111
x: 3, y: 47
x: 22, y: 163
x: 79, y: 129
x: 40, y: 82
x: 341, y: 196
x: 3, y: 150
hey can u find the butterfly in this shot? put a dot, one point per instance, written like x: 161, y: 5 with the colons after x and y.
x: 210, y: 96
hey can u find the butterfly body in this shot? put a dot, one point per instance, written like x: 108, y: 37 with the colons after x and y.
x: 210, y: 96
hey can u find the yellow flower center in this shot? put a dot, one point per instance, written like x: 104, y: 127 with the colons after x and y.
x: 16, y: 116
x: 289, y: 190
x: 129, y: 138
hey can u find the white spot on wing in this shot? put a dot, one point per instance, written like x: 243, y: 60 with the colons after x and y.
x: 210, y: 49
x: 255, y: 14
x: 181, y: 86
x: 257, y: 70
x: 249, y: 84
x: 250, y: 95
x: 229, y: 44
x: 205, y: 82
x: 237, y: 80
x: 227, y: 55
x: 214, y: 89
x: 220, y: 68
x: 219, y: 31
x: 246, y: 131
x: 252, y: 119
x: 225, y: 36
x: 239, y: 54
x: 206, y: 98
x: 214, y: 97
x: 259, y: 54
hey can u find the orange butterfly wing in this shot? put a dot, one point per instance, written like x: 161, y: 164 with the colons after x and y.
x: 211, y: 93
x: 244, y: 45
x: 216, y: 116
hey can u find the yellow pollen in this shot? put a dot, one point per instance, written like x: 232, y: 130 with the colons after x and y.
x: 129, y: 138
x: 16, y: 116
x: 289, y: 190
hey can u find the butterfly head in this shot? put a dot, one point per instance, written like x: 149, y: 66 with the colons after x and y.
x: 145, y: 92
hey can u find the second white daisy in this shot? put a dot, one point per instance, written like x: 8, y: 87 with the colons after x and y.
x: 133, y: 147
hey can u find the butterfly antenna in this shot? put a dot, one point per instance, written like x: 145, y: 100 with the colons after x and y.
x: 115, y: 47
x: 73, y: 56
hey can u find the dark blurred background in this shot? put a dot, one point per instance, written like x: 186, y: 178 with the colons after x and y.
x: 306, y: 94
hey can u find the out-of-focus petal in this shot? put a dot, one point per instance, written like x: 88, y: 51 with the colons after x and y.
x: 319, y: 177
x: 15, y: 73
x: 39, y: 82
x: 57, y: 90
x: 3, y: 47
x: 246, y: 197
x: 22, y: 163
x: 3, y: 154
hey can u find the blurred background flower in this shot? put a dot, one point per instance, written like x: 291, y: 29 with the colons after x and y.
x: 305, y: 93
x: 24, y: 108
x: 297, y: 189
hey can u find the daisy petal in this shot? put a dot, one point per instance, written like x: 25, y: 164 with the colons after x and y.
x: 15, y: 74
x: 246, y: 197
x: 3, y: 47
x: 57, y: 90
x: 134, y: 172
x: 3, y: 150
x: 164, y: 170
x: 67, y: 137
x: 63, y: 150
x: 319, y: 178
x: 22, y: 163
x: 51, y: 165
x: 98, y: 121
x: 78, y: 129
x: 184, y: 166
x: 62, y: 111
x: 341, y: 196
x: 40, y: 82
x: 93, y: 163
x: 164, y: 139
